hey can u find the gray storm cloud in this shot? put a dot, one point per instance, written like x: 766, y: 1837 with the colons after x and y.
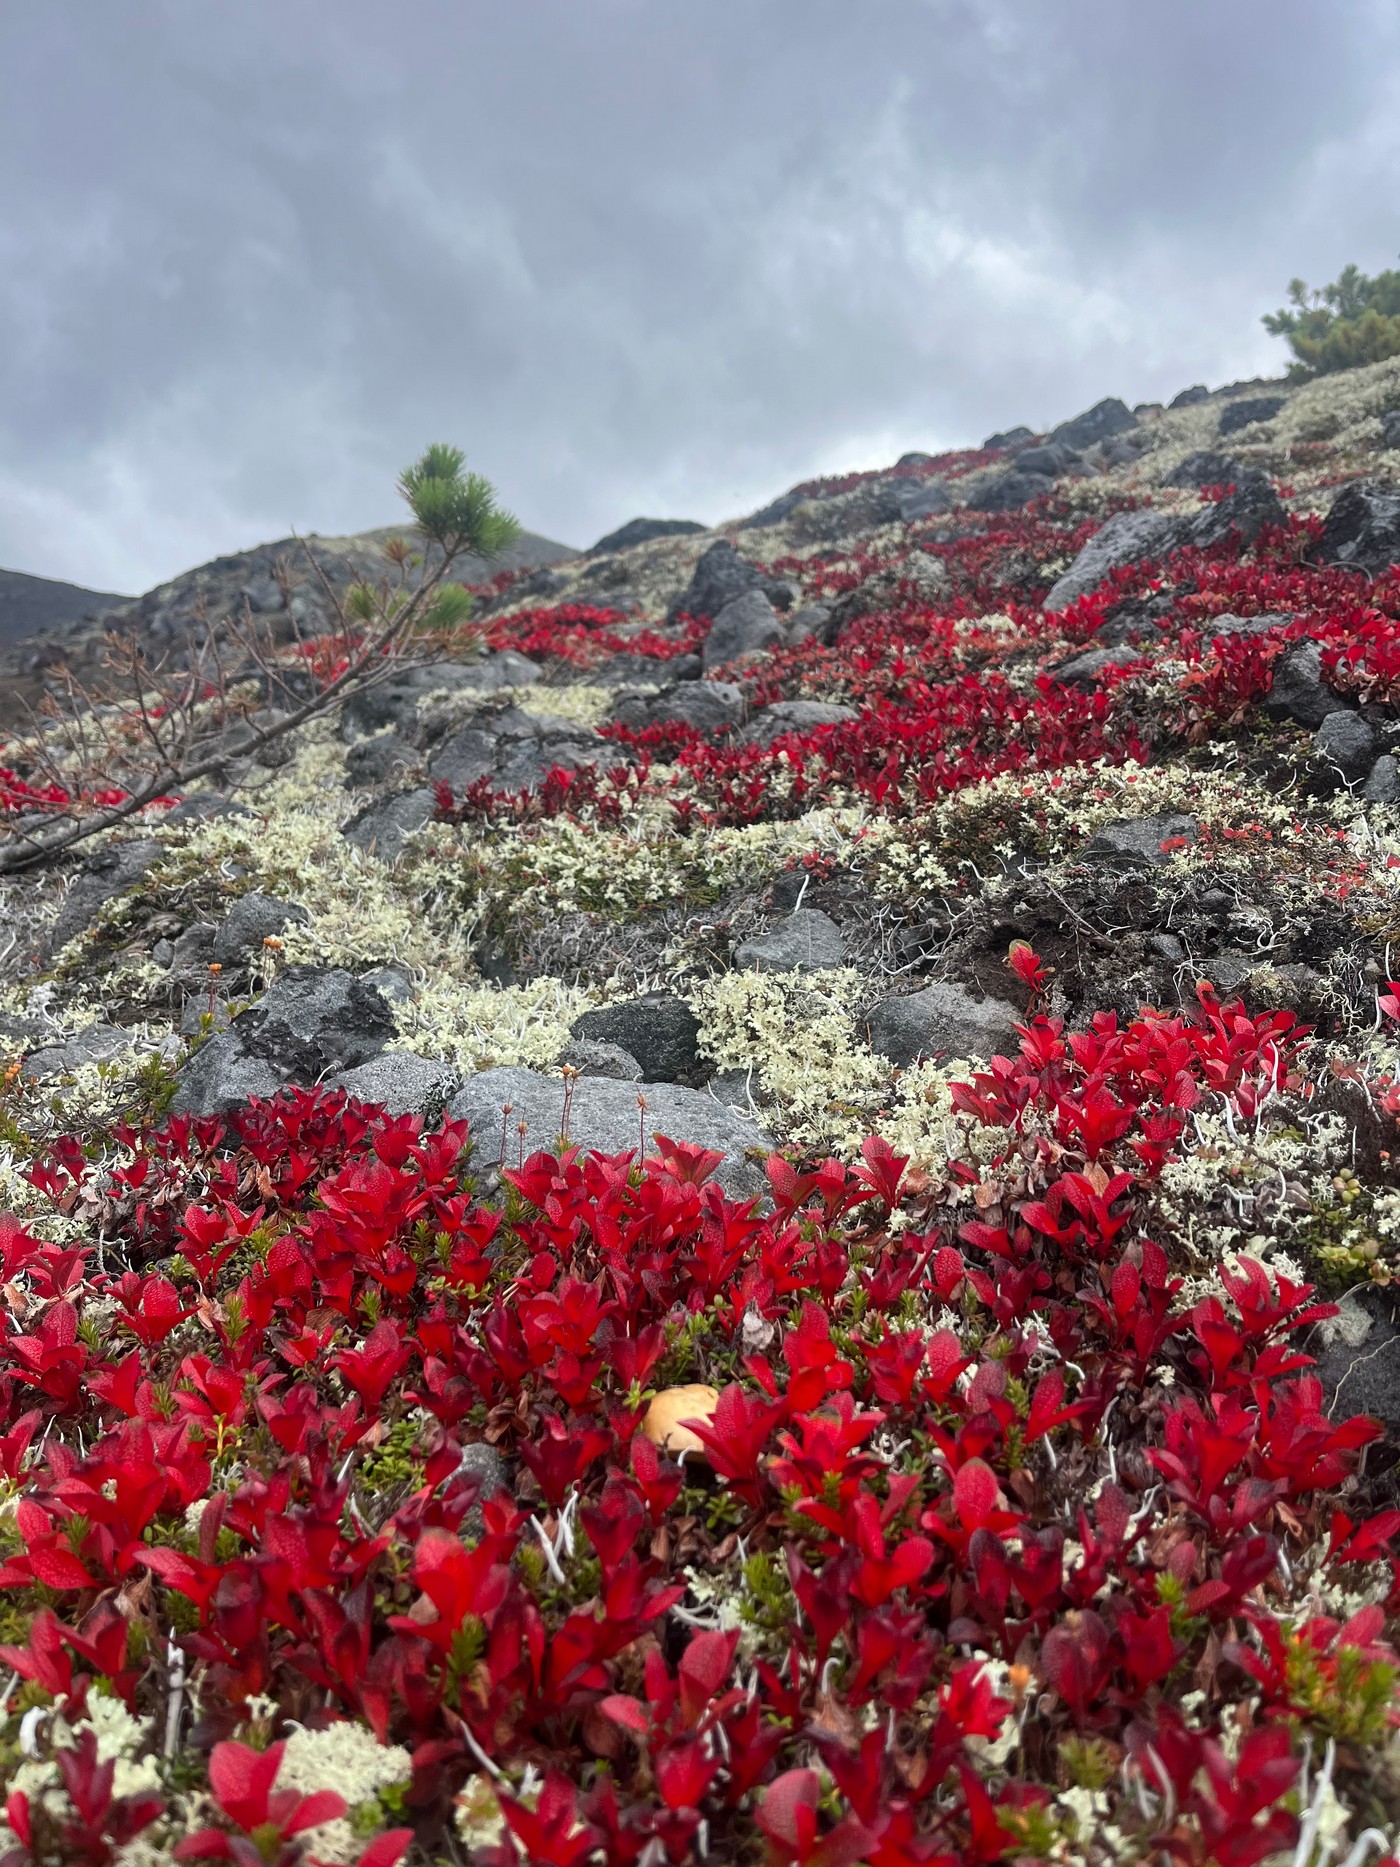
x: 634, y: 255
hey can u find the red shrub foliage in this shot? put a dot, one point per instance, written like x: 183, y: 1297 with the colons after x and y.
x: 985, y: 1454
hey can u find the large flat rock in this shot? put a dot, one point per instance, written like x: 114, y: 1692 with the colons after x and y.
x: 605, y: 1118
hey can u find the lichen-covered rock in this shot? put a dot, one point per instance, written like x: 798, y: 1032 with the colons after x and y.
x: 311, y: 1023
x: 1126, y: 538
x: 251, y: 920
x: 1099, y: 423
x: 111, y: 872
x: 1247, y: 411
x: 403, y: 1083
x: 384, y: 827
x: 746, y: 626
x: 942, y: 1020
x: 658, y: 1029
x: 807, y: 941
x: 1348, y: 742
x: 1362, y: 530
x: 98, y: 1043
x: 794, y: 716
x: 604, y: 1117
x: 1299, y: 691
x: 708, y: 706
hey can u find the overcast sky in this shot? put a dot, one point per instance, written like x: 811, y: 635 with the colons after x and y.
x: 636, y: 256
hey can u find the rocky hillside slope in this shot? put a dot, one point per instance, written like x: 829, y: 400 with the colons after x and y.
x: 752, y: 1222
x: 277, y: 581
x: 31, y: 605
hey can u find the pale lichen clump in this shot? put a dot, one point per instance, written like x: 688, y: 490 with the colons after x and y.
x: 642, y: 866
x: 483, y: 1027
x: 350, y: 1760
x: 123, y: 1740
x: 359, y: 912
x: 1337, y: 413
x: 799, y: 1034
x: 921, y: 1123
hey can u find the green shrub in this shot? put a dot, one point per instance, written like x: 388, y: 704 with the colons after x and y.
x: 1354, y: 320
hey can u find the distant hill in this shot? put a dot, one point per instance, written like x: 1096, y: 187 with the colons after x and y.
x: 29, y: 605
x: 73, y: 631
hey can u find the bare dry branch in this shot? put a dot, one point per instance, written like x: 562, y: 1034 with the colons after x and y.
x: 161, y: 727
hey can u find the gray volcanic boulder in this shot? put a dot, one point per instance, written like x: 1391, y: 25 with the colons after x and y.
x: 1299, y: 691
x: 794, y: 716
x: 1126, y: 538
x: 1008, y: 437
x: 311, y: 1023
x: 942, y: 1020
x: 496, y: 670
x: 776, y: 511
x: 1098, y: 423
x: 746, y: 626
x: 1390, y: 429
x: 111, y: 872
x: 921, y: 499
x: 605, y: 1118
x: 591, y: 1059
x: 658, y: 1029
x: 383, y: 828
x: 1253, y: 505
x: 205, y: 807
x: 1245, y: 625
x: 1138, y: 840
x: 719, y: 577
x: 463, y: 758
x: 401, y: 1082
x: 708, y: 706
x: 1237, y: 415
x: 1358, y: 1357
x: 1187, y: 398
x: 1383, y: 782
x: 641, y: 532
x: 1009, y: 491
x: 1053, y: 458
x: 1345, y: 740
x: 375, y: 761
x: 394, y: 702
x: 98, y: 1043
x: 1206, y: 469
x: 532, y: 744
x: 807, y: 941
x: 1362, y: 530
x: 513, y: 748
x: 250, y: 921
x: 1088, y: 667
